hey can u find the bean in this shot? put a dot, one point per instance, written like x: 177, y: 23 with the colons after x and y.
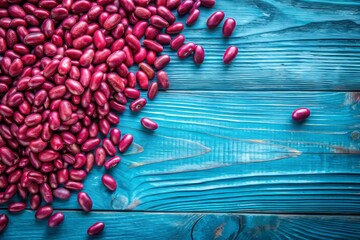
x: 152, y: 91
x: 112, y: 162
x: 163, y: 80
x: 72, y: 185
x: 35, y: 201
x: 186, y: 50
x: 300, y: 114
x: 149, y: 124
x: 230, y: 54
x: 175, y: 28
x: 177, y: 42
x: 43, y: 212
x: 16, y: 207
x: 96, y: 228
x: 90, y: 144
x: 46, y: 192
x: 207, y: 3
x: 228, y: 27
x: 185, y: 7
x: 56, y: 219
x: 193, y: 17
x: 84, y: 201
x: 108, y: 147
x: 116, y: 59
x: 109, y: 182
x: 115, y: 135
x: 158, y: 22
x: 111, y: 21
x: 125, y: 142
x: 139, y: 29
x: 152, y: 45
x: 199, y: 55
x: 61, y: 193
x: 90, y: 159
x: 140, y: 56
x: 173, y: 4
x: 215, y: 19
x: 161, y: 62
x: 163, y: 39
x: 4, y: 220
x: 166, y: 14
x: 142, y: 13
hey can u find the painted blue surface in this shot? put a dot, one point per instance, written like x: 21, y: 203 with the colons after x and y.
x: 226, y: 145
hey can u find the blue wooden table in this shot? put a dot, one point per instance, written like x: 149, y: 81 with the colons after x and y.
x: 227, y: 162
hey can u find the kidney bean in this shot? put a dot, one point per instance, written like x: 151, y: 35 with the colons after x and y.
x: 199, y: 55
x: 230, y: 54
x: 80, y: 6
x: 64, y: 66
x: 72, y: 185
x: 115, y: 82
x: 193, y: 17
x: 152, y: 45
x: 115, y: 135
x: 207, y: 3
x: 74, y: 87
x: 73, y: 54
x: 46, y: 192
x: 111, y: 21
x: 185, y: 7
x: 158, y: 22
x: 163, y: 80
x: 112, y: 162
x: 163, y: 39
x: 109, y: 182
x: 34, y: 39
x: 215, y: 19
x: 139, y: 29
x: 228, y: 27
x: 48, y: 155
x: 96, y: 228
x: 175, y: 28
x: 173, y: 4
x: 128, y: 5
x: 65, y: 110
x: 133, y: 42
x: 149, y: 124
x: 16, y: 67
x: 43, y: 212
x: 142, y: 13
x: 82, y: 41
x: 116, y: 59
x: 94, y: 12
x: 35, y: 201
x: 90, y: 144
x: 161, y: 62
x: 33, y: 119
x: 300, y: 114
x: 4, y: 220
x: 37, y: 145
x: 186, y: 50
x: 16, y: 207
x: 152, y: 91
x: 177, y: 42
x: 99, y: 40
x: 84, y: 201
x: 56, y: 219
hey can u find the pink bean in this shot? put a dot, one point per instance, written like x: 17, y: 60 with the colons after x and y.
x: 228, y: 27
x: 109, y: 182
x: 230, y: 54
x: 96, y: 228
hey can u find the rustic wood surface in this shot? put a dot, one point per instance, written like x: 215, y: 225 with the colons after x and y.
x: 227, y: 162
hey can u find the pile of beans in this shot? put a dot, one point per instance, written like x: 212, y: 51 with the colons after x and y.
x: 63, y: 80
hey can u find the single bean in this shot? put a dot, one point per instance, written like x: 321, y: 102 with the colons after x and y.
x: 56, y: 219
x: 228, y: 27
x: 109, y: 182
x: 230, y: 54
x: 149, y: 124
x: 96, y: 228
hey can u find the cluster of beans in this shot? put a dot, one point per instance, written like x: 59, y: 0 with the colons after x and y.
x: 64, y: 77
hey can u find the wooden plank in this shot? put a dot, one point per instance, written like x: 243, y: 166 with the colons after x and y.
x: 186, y: 226
x: 238, y: 151
x: 289, y: 45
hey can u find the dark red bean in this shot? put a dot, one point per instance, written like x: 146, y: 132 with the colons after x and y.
x: 35, y: 201
x: 109, y: 182
x: 186, y: 50
x: 199, y: 55
x: 230, y: 54
x: 84, y: 201
x: 72, y: 185
x: 116, y: 59
x: 177, y: 42
x: 152, y: 45
x: 16, y: 207
x: 173, y: 4
x: 133, y: 42
x: 90, y: 159
x: 115, y: 135
x: 74, y: 87
x: 161, y: 62
x: 65, y: 110
x: 16, y: 67
x: 152, y: 91
x: 90, y: 144
x: 300, y: 114
x: 142, y: 13
x: 215, y: 19
x: 99, y: 40
x: 207, y: 3
x: 149, y: 124
x: 80, y: 6
x: 46, y: 192
x: 94, y: 12
x: 185, y: 7
x: 175, y: 28
x: 104, y: 126
x: 166, y: 14
x: 82, y: 41
x: 163, y: 39
x: 158, y: 22
x: 56, y: 219
x: 61, y: 193
x: 228, y: 27
x: 96, y: 228
x: 125, y: 142
x: 112, y: 162
x: 140, y: 56
x: 193, y: 17
x: 139, y: 29
x: 43, y: 212
x: 4, y: 220
x: 111, y: 21
x: 34, y: 39
x: 163, y: 79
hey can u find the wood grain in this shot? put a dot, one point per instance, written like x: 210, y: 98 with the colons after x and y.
x: 289, y: 45
x: 238, y: 151
x: 186, y: 226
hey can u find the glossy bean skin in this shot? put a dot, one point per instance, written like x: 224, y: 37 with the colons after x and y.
x: 149, y: 124
x: 229, y: 27
x: 230, y: 54
x: 199, y: 55
x: 109, y: 182
x: 96, y: 228
x: 300, y: 114
x: 56, y: 219
x: 215, y: 19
